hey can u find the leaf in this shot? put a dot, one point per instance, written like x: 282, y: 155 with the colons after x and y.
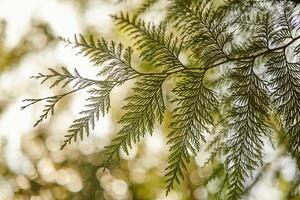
x: 157, y: 47
x: 203, y: 30
x: 113, y: 59
x: 143, y: 108
x: 191, y: 119
x: 286, y: 96
x: 99, y: 104
x: 65, y: 78
x: 247, y: 126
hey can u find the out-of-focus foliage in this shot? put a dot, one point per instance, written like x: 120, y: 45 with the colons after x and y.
x: 35, y: 39
x: 77, y: 171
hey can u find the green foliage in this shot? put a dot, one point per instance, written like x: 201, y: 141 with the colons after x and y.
x: 118, y: 60
x: 191, y: 117
x: 146, y: 5
x: 285, y: 85
x: 157, y: 47
x: 257, y: 72
x: 247, y: 125
x: 65, y: 78
x: 99, y: 103
x: 117, y: 70
x: 143, y: 107
x: 204, y: 30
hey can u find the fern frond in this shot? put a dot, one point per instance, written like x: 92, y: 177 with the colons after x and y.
x: 282, y: 25
x: 263, y: 35
x: 146, y: 5
x: 215, y: 147
x: 286, y: 96
x: 112, y: 57
x: 203, y: 29
x: 48, y: 108
x: 117, y: 68
x: 99, y: 103
x: 191, y: 119
x: 259, y: 40
x: 65, y: 78
x: 143, y: 108
x: 247, y: 126
x: 50, y: 103
x: 157, y: 47
x: 116, y: 65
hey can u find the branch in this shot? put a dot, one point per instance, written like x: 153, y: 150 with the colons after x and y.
x: 254, y: 56
x: 52, y: 101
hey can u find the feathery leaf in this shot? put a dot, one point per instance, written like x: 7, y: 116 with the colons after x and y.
x: 247, y: 126
x: 143, y: 107
x: 156, y: 45
x: 191, y: 119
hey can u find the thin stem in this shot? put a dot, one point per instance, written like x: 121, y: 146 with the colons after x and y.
x: 59, y: 96
x: 254, y: 56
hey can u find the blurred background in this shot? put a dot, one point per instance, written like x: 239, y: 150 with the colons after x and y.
x: 32, y: 166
